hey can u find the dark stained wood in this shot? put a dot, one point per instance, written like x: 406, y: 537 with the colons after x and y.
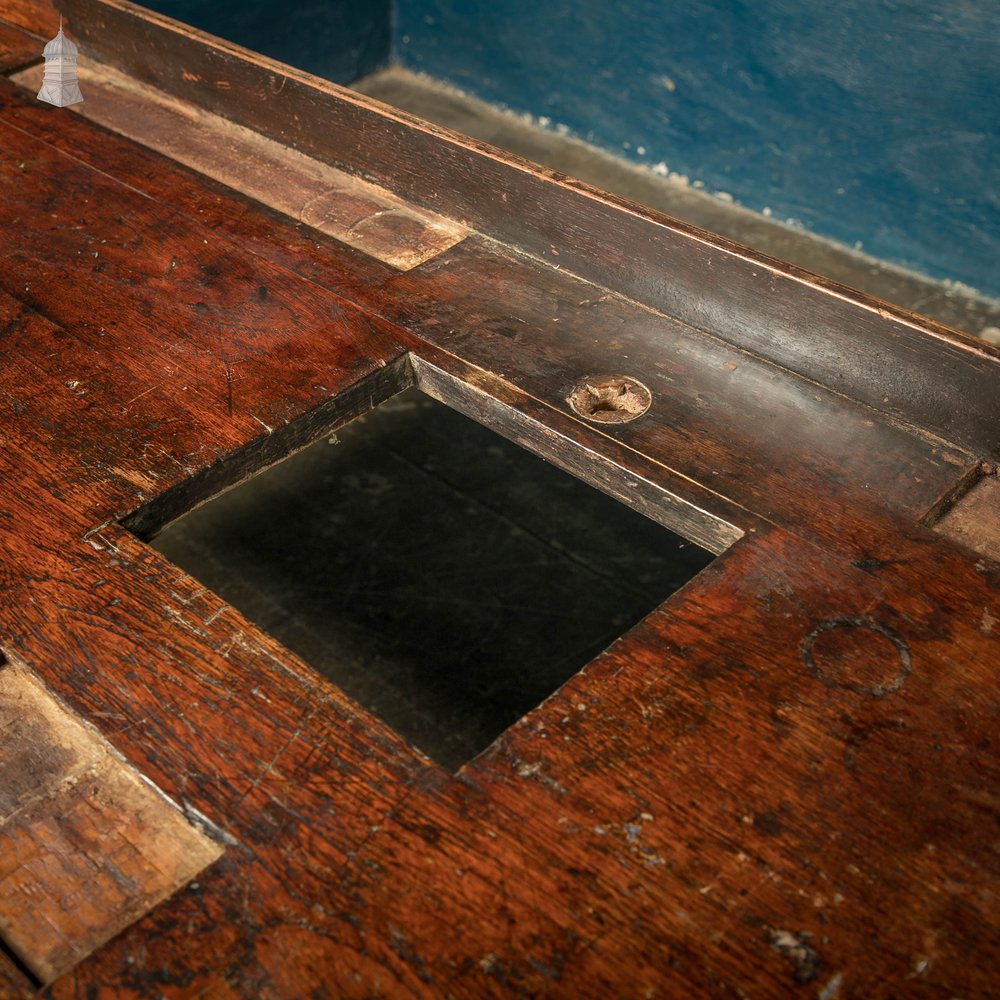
x: 698, y: 514
x: 37, y: 16
x: 14, y: 983
x: 547, y: 330
x: 783, y: 781
x: 221, y: 307
x: 301, y: 250
x: 18, y: 47
x: 817, y: 328
x: 754, y: 754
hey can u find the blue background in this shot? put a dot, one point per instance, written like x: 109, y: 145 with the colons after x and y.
x: 871, y: 121
x: 339, y: 40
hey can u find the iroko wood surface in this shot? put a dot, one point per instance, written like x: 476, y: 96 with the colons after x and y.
x: 784, y: 779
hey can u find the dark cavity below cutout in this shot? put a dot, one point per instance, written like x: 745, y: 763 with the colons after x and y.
x: 443, y: 577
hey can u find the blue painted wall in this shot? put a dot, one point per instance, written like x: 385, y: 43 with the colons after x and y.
x: 865, y: 120
x: 339, y: 40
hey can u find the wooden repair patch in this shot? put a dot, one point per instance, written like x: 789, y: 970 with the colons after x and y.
x: 973, y: 520
x: 354, y: 211
x: 86, y: 845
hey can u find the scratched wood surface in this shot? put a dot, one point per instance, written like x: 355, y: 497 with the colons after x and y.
x: 715, y: 285
x: 343, y: 206
x: 782, y: 781
x: 86, y: 846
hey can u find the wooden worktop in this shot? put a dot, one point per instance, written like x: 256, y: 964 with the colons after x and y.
x: 783, y: 779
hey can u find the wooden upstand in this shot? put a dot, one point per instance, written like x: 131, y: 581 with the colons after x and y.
x: 783, y: 779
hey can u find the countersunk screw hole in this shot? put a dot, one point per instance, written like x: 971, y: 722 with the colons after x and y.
x: 612, y: 399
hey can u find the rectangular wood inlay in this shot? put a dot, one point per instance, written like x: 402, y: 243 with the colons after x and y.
x: 352, y: 210
x: 973, y: 520
x: 86, y: 845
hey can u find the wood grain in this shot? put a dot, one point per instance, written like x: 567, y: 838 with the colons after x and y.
x: 546, y: 330
x: 18, y: 48
x: 973, y: 519
x: 318, y: 196
x: 14, y: 983
x: 781, y: 782
x: 37, y: 16
x: 812, y: 326
x: 86, y: 847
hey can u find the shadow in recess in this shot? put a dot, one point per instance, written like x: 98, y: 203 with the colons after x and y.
x: 445, y: 578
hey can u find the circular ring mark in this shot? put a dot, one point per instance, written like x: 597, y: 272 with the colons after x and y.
x: 610, y: 399
x: 826, y: 671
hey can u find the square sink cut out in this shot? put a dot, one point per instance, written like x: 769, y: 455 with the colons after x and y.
x: 445, y: 578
